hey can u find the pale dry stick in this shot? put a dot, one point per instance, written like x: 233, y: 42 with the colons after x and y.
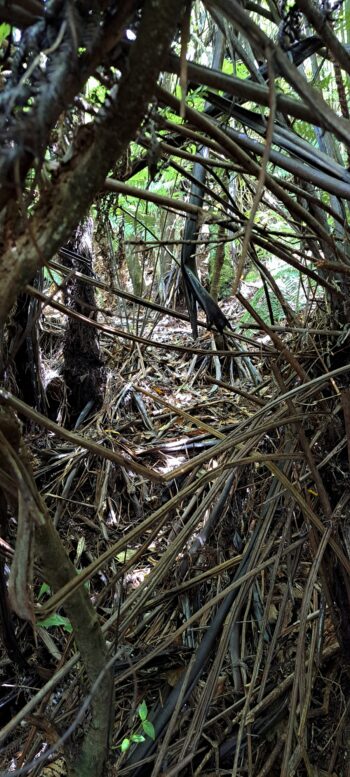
x: 208, y: 163
x: 254, y: 458
x: 262, y: 174
x: 244, y: 628
x: 316, y: 615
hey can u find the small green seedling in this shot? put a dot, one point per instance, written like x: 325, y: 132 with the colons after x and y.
x: 147, y: 727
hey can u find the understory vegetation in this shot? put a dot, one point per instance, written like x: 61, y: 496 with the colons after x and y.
x: 174, y: 397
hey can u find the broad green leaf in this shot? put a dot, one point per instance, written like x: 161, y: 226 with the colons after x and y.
x: 56, y: 620
x: 148, y: 728
x: 125, y: 745
x: 142, y: 710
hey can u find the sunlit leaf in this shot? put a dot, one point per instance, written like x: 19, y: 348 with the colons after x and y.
x: 5, y: 30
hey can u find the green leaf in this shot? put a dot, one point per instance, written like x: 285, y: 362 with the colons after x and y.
x: 5, y: 30
x: 44, y: 589
x: 227, y: 67
x: 148, y: 728
x: 137, y: 738
x: 125, y: 555
x: 56, y: 620
x: 143, y: 711
x: 241, y: 70
x: 125, y: 745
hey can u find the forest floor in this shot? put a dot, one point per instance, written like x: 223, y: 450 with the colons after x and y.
x: 211, y: 577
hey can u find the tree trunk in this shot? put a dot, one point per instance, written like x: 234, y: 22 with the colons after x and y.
x: 83, y: 371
